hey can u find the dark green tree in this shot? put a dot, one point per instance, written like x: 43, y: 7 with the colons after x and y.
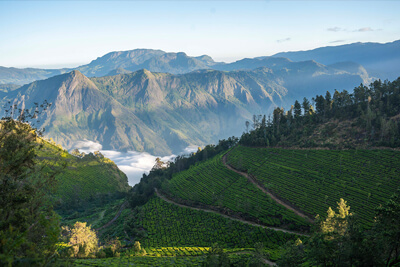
x: 29, y: 228
x: 297, y: 110
x: 306, y: 106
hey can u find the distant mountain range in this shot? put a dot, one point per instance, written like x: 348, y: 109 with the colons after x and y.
x: 162, y: 113
x: 380, y: 60
x: 372, y: 59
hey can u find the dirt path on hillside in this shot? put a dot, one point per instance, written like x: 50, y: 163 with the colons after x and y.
x: 223, y: 215
x: 266, y: 191
x: 115, y: 217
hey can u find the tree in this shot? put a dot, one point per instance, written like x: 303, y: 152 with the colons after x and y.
x: 82, y: 239
x: 29, y: 228
x: 137, y: 246
x: 293, y: 254
x: 388, y: 227
x: 297, y: 109
x: 247, y: 126
x: 306, y: 106
x: 326, y: 245
x: 159, y: 164
x: 336, y: 222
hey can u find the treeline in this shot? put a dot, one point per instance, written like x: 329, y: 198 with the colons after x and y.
x: 142, y: 191
x: 372, y: 111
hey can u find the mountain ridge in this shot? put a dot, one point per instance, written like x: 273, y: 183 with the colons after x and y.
x: 381, y: 60
x: 180, y: 63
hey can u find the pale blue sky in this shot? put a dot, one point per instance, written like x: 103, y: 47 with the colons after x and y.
x: 71, y: 33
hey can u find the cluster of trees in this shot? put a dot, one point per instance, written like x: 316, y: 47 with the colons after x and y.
x: 340, y: 240
x: 373, y: 109
x: 142, y: 191
x: 82, y: 155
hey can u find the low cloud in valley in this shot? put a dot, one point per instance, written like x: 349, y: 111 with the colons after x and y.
x: 132, y: 163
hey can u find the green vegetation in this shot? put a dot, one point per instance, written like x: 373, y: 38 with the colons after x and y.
x: 143, y: 191
x: 313, y: 179
x: 340, y: 240
x: 367, y: 117
x: 28, y: 226
x: 212, y: 184
x: 234, y: 259
x: 82, y: 239
x: 86, y: 181
x: 160, y: 224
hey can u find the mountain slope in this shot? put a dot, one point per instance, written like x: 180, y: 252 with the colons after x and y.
x: 195, y: 108
x: 305, y: 78
x: 80, y: 111
x: 380, y: 60
x: 83, y: 177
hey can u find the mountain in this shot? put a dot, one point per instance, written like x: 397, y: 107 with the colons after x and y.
x: 154, y: 60
x: 163, y: 113
x: 305, y: 78
x: 380, y: 60
x: 28, y: 75
x: 80, y: 111
x: 115, y: 63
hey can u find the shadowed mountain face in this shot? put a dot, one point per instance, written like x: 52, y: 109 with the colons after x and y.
x: 380, y: 60
x: 80, y: 111
x: 162, y: 113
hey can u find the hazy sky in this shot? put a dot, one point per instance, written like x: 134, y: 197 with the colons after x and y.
x: 71, y: 33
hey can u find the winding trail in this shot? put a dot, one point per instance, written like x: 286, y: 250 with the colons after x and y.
x: 115, y: 217
x: 266, y: 191
x: 224, y: 215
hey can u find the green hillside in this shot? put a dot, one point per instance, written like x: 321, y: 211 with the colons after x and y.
x: 81, y: 179
x: 314, y: 180
x: 169, y: 225
x: 210, y: 183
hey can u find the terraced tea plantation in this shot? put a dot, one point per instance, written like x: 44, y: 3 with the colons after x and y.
x: 314, y: 180
x: 169, y: 226
x: 235, y: 259
x: 212, y: 184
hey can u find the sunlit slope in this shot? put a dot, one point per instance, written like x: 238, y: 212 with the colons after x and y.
x: 84, y: 178
x: 211, y: 183
x: 314, y: 180
x: 168, y: 225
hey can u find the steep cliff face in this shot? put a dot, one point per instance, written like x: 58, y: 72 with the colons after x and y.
x: 81, y: 111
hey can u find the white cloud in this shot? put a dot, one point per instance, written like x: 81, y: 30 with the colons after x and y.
x: 190, y: 149
x: 132, y: 163
x: 335, y: 29
x: 365, y: 29
x: 86, y: 145
x: 283, y: 40
x: 337, y: 41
